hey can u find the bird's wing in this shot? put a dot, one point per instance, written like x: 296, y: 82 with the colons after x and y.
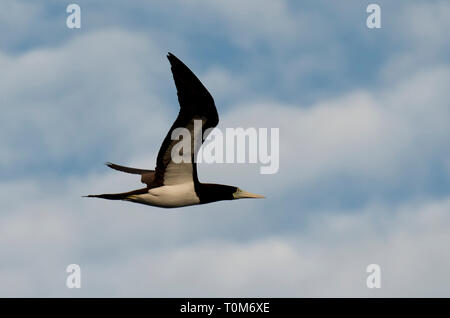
x: 196, y: 103
x: 128, y: 169
x: 147, y: 176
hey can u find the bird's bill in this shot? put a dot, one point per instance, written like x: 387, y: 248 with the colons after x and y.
x: 241, y: 194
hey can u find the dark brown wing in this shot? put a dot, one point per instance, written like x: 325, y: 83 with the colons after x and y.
x: 127, y: 169
x: 196, y: 103
x: 147, y: 176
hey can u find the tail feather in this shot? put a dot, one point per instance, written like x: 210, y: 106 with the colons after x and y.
x: 146, y: 177
x: 112, y: 196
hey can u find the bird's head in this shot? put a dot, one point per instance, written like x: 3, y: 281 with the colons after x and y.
x: 242, y: 194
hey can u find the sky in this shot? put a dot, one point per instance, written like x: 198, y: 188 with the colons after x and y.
x: 364, y: 173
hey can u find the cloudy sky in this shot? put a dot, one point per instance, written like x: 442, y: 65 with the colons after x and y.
x: 364, y: 148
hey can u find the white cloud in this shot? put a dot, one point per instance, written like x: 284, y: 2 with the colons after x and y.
x: 70, y: 99
x: 386, y: 136
x: 132, y: 250
x: 84, y: 99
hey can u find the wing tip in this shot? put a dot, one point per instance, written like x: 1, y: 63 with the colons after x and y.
x: 173, y: 59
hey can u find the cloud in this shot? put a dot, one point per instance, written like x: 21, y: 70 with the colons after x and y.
x: 364, y: 169
x: 249, y: 21
x: 421, y: 24
x: 66, y: 99
x: 136, y: 250
x: 131, y: 250
x: 383, y: 138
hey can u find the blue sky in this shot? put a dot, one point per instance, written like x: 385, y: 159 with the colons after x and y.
x: 364, y: 153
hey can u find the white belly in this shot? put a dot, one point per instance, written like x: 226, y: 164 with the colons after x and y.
x: 169, y: 196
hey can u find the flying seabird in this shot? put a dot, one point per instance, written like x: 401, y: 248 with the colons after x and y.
x: 173, y: 184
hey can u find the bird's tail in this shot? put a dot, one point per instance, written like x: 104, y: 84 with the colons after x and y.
x: 111, y: 196
x: 117, y: 196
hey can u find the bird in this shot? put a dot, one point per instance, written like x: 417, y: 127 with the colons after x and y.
x: 174, y: 184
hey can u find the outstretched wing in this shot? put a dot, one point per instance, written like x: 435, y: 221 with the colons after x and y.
x: 196, y: 103
x: 147, y: 176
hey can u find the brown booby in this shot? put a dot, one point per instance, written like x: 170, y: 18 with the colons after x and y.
x: 174, y: 184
